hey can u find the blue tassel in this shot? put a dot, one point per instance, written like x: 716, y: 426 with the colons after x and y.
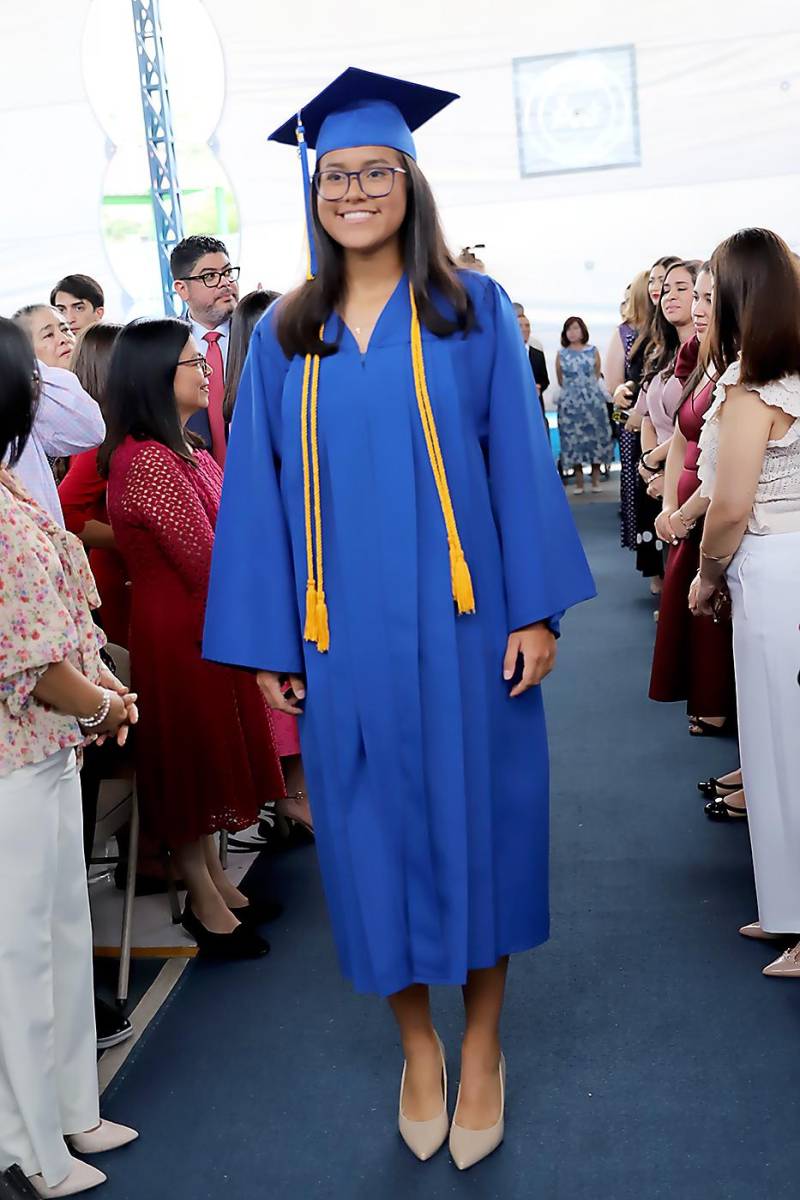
x: 300, y: 134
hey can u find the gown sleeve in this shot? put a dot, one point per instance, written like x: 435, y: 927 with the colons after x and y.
x: 252, y: 614
x: 545, y: 569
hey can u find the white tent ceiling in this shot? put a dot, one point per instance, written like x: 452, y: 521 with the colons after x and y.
x: 718, y: 108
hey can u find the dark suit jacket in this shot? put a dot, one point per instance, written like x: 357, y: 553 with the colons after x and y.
x: 541, y: 378
x: 539, y: 367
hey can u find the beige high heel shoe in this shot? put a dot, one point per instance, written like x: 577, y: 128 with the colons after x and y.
x: 469, y: 1146
x: 81, y: 1178
x: 424, y: 1138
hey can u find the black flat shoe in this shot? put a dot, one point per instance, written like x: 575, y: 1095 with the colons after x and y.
x: 713, y: 789
x: 242, y: 942
x: 718, y: 810
x: 258, y: 912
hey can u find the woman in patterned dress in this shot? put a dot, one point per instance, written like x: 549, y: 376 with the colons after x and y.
x: 583, y: 424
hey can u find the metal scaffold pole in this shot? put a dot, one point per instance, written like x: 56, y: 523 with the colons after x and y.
x: 160, y: 139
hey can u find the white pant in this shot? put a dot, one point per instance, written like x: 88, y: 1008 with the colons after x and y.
x: 48, y: 1050
x: 764, y: 581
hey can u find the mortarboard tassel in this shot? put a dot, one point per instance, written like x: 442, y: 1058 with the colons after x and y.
x: 300, y: 134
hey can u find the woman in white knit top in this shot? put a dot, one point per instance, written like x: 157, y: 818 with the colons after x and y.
x: 750, y: 467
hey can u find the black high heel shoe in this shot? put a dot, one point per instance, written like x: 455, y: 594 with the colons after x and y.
x: 258, y: 912
x: 242, y: 942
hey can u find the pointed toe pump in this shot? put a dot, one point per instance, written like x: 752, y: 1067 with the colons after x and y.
x: 469, y: 1146
x: 424, y: 1138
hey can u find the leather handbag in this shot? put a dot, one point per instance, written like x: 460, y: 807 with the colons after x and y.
x: 15, y: 1185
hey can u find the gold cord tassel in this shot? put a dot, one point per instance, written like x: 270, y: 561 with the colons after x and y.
x: 460, y: 578
x: 317, y: 629
x: 310, y: 630
x: 317, y: 625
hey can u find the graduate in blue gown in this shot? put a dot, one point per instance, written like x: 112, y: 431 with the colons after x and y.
x: 394, y: 541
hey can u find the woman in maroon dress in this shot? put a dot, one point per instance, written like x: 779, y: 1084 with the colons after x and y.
x: 693, y: 656
x: 205, y: 752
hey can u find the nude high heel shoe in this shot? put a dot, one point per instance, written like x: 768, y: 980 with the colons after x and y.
x: 469, y: 1146
x: 424, y: 1138
x: 107, y: 1136
x: 81, y: 1177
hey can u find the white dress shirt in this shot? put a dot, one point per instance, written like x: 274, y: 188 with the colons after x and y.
x: 224, y: 330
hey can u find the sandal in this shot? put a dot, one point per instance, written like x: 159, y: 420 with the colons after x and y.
x: 720, y: 810
x: 700, y: 728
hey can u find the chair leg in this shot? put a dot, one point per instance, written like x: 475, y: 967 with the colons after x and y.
x: 223, y: 848
x: 172, y: 891
x: 129, y: 902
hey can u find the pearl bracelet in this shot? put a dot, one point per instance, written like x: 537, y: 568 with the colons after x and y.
x: 98, y: 717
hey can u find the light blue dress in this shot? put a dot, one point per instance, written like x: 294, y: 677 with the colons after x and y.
x: 583, y: 424
x: 428, y: 785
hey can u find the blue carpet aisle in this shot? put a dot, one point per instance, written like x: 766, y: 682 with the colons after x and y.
x: 647, y: 1055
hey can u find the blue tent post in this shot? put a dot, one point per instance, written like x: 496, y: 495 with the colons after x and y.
x: 164, y: 190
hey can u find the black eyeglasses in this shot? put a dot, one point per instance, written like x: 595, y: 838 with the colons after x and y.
x: 373, y: 182
x: 213, y: 279
x: 199, y: 361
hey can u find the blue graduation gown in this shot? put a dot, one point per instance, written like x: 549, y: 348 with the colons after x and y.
x: 428, y: 785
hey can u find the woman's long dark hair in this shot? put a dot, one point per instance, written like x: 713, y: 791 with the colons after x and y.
x: 91, y: 358
x: 756, y: 306
x: 246, y: 315
x: 19, y: 391
x: 666, y: 341
x: 428, y: 264
x: 140, y: 394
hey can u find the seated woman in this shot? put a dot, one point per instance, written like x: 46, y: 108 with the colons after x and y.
x: 54, y: 692
x: 205, y: 751
x: 82, y: 492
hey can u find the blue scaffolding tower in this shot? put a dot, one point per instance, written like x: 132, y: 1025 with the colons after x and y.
x: 164, y: 189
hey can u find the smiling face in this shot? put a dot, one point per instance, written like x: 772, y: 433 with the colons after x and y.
x: 702, y: 300
x: 359, y: 222
x: 53, y: 340
x: 191, y: 381
x: 676, y: 296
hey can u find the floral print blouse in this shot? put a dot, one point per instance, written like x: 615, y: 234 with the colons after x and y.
x: 46, y: 595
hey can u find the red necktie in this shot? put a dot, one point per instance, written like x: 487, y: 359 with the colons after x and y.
x: 216, y: 394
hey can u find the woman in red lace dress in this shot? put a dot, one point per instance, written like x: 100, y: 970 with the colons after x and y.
x: 693, y: 656
x: 205, y: 751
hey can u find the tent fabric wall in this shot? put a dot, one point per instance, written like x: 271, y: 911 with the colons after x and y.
x: 719, y: 113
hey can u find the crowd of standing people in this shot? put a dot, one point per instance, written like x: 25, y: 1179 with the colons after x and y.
x: 707, y: 366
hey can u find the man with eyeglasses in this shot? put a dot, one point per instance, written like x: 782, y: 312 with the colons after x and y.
x: 207, y: 284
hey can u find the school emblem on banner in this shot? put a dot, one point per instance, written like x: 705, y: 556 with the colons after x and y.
x: 577, y: 111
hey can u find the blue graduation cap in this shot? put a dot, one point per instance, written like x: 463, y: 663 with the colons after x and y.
x: 360, y: 108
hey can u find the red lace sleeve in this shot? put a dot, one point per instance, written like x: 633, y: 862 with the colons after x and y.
x: 157, y: 495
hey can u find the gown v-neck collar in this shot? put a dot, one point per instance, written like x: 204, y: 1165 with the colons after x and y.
x: 378, y: 336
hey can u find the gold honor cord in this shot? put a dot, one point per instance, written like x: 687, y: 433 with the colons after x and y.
x: 317, y: 629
